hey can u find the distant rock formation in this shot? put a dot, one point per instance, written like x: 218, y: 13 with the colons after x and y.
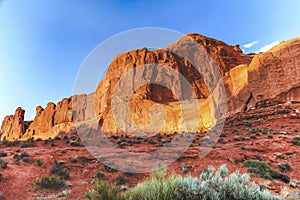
x: 13, y: 126
x: 248, y: 80
x: 276, y: 73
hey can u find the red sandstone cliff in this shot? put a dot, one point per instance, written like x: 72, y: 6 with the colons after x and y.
x: 273, y: 75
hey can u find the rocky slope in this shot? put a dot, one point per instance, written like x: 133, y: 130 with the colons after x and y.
x: 247, y: 80
x: 262, y: 133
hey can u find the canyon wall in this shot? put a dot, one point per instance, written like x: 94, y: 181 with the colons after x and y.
x: 139, y: 80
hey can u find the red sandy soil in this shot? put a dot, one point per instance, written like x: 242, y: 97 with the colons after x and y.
x: 18, y: 179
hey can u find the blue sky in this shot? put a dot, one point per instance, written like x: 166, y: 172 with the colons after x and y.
x: 44, y: 42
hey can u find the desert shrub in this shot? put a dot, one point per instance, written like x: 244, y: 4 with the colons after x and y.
x: 26, y: 144
x: 102, y: 159
x: 263, y: 170
x: 248, y: 124
x: 51, y: 182
x: 151, y: 141
x: 3, y: 154
x: 40, y: 163
x: 73, y: 160
x: 26, y: 159
x: 284, y: 167
x: 110, y: 167
x: 24, y: 154
x: 218, y: 185
x: 221, y: 140
x: 9, y: 143
x: 48, y: 141
x: 3, y: 163
x: 103, y: 190
x: 211, y: 185
x: 223, y: 135
x: 60, y: 170
x: 115, y: 137
x: 239, y: 138
x: 128, y: 171
x: 120, y: 180
x: 296, y: 141
x: 139, y: 137
x: 100, y: 175
x: 159, y: 136
x: 57, y: 138
x: 156, y: 187
x: 75, y: 143
x: 234, y: 130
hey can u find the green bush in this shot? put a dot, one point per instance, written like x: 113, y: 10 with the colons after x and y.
x: 211, y: 185
x: 103, y: 191
x: 74, y: 143
x: 3, y: 163
x: 51, y: 182
x: 296, y: 141
x: 57, y: 138
x: 24, y: 154
x: 60, y: 170
x: 100, y: 175
x: 156, y: 187
x: 120, y: 180
x: 110, y: 167
x: 73, y: 160
x: 40, y: 163
x: 3, y: 154
x: 26, y: 144
x: 26, y: 159
x: 218, y: 185
x: 263, y: 170
x: 10, y: 143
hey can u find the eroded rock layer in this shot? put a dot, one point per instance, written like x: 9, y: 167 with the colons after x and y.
x: 147, y: 90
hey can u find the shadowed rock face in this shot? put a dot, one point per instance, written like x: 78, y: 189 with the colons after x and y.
x: 273, y: 75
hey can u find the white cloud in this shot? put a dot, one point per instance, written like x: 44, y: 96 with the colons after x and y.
x: 248, y: 45
x: 268, y: 46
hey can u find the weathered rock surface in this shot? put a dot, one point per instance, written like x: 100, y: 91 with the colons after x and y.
x: 224, y: 56
x: 146, y: 90
x: 276, y: 73
x: 13, y: 126
x: 271, y: 77
x: 164, y: 68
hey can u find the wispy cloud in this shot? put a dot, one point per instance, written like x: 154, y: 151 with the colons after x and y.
x: 248, y: 45
x: 268, y: 46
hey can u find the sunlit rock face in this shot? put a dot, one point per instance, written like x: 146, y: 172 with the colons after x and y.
x: 171, y: 72
x: 13, y: 126
x: 144, y: 90
x: 275, y: 74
